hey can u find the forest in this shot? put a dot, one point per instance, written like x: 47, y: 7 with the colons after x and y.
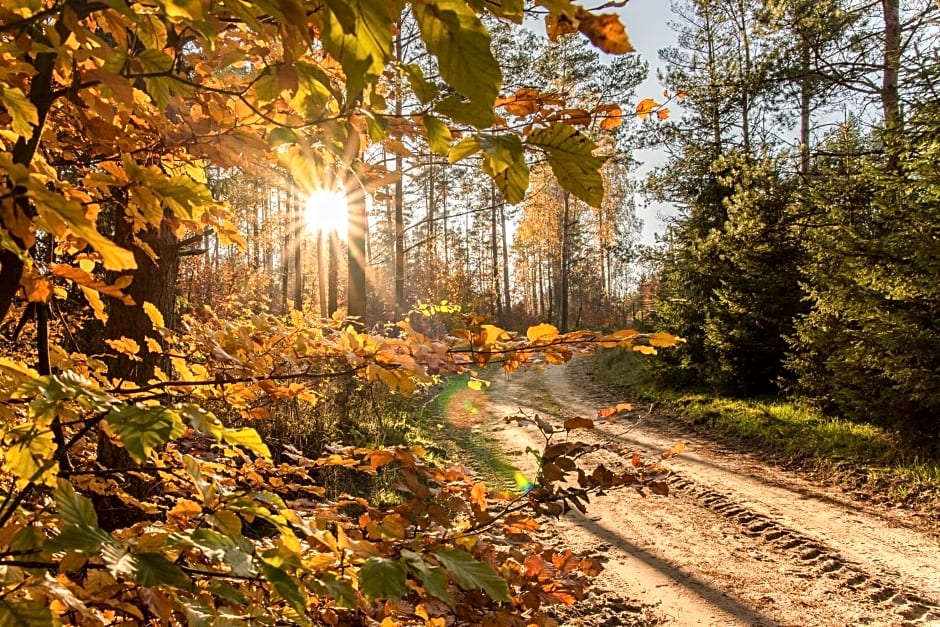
x: 243, y: 243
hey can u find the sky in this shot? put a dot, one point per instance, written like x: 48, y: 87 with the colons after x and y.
x: 647, y: 23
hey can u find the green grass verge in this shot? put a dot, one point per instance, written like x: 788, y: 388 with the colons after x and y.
x: 789, y: 428
x: 448, y: 428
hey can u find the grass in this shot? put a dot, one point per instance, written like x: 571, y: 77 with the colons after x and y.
x: 787, y: 428
x: 454, y: 423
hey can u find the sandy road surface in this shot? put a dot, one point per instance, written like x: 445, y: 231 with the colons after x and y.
x: 737, y: 542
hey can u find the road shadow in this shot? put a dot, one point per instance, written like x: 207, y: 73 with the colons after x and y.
x: 705, y: 591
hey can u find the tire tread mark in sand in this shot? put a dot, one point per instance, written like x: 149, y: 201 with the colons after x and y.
x: 821, y: 560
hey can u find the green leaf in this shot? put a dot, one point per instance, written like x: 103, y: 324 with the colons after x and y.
x: 340, y: 591
x: 249, y: 439
x: 474, y: 575
x: 287, y: 587
x: 509, y: 9
x: 455, y: 35
x: 465, y: 112
x: 234, y: 552
x: 504, y: 160
x: 359, y: 34
x: 571, y: 156
x: 21, y: 110
x: 74, y: 508
x: 464, y: 148
x: 432, y: 578
x: 153, y: 569
x: 425, y: 91
x: 30, y: 449
x: 381, y: 578
x: 282, y: 135
x: 142, y: 429
x: 86, y: 540
x: 81, y: 532
x: 17, y: 613
x: 438, y: 134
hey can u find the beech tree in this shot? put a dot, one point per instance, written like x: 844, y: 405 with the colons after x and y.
x: 112, y: 115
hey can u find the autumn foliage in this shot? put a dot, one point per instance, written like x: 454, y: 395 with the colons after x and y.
x: 135, y: 488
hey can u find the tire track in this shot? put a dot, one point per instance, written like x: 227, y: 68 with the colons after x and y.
x: 736, y: 543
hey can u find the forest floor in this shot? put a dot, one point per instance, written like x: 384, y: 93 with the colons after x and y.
x: 740, y: 540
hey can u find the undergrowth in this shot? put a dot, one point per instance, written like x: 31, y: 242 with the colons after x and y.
x: 864, y: 452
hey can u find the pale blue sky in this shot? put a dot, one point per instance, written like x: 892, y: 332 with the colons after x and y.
x: 647, y: 23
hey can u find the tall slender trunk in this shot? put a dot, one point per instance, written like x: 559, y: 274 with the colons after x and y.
x: 429, y: 260
x: 399, y: 200
x: 297, y: 231
x: 806, y: 96
x: 565, y: 254
x: 890, y: 94
x: 322, y: 263
x: 507, y: 297
x: 356, y: 251
x: 494, y: 250
x: 332, y: 280
x: 285, y: 251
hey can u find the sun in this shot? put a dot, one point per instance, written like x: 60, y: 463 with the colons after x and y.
x: 326, y: 211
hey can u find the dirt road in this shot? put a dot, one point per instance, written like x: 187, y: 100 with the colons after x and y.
x: 737, y: 541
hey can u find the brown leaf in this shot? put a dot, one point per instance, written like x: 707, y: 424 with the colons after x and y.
x: 578, y: 423
x: 557, y: 25
x: 659, y: 487
x: 605, y: 31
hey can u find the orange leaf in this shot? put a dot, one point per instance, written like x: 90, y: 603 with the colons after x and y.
x: 675, y: 450
x: 607, y: 412
x: 578, y: 423
x: 645, y: 107
x: 478, y: 496
x: 377, y: 459
x: 613, y: 119
x: 646, y: 350
x: 541, y: 331
x: 663, y: 113
x: 636, y: 460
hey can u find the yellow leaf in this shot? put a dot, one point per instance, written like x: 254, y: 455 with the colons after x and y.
x: 124, y: 345
x: 664, y: 340
x: 186, y: 509
x: 94, y: 299
x: 494, y: 334
x: 156, y: 318
x: 153, y: 346
x: 646, y: 350
x: 477, y: 384
x: 541, y: 331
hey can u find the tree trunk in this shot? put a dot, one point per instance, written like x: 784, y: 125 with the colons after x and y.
x: 890, y: 95
x: 507, y: 297
x: 297, y: 223
x: 356, y: 252
x: 332, y: 247
x: 565, y: 253
x: 494, y: 254
x: 322, y: 263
